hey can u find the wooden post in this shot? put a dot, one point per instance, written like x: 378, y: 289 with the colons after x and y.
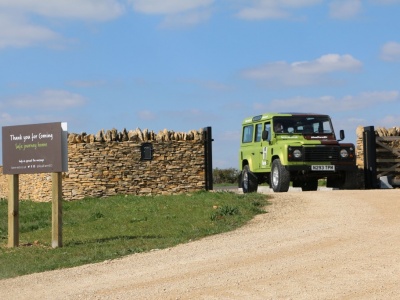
x: 56, y: 210
x: 13, y: 211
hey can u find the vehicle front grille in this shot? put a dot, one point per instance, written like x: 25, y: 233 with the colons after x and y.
x: 321, y: 153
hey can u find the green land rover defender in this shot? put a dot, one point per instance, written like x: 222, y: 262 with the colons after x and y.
x: 279, y: 148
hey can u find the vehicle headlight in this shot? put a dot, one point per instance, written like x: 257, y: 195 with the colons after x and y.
x: 297, y: 153
x: 344, y: 153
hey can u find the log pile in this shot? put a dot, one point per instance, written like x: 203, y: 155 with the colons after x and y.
x: 379, y: 132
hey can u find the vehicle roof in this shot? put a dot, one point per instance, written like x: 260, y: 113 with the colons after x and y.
x: 270, y: 115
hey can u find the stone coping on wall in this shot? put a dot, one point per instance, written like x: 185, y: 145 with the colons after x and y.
x: 136, y: 135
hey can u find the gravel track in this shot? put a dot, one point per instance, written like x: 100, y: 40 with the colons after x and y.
x: 310, y: 245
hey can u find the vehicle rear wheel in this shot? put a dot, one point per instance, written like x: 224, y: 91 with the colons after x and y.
x: 280, y: 177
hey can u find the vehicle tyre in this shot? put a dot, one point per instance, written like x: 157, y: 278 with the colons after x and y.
x: 311, y: 184
x: 280, y: 177
x: 346, y: 181
x: 334, y: 182
x: 350, y: 181
x: 249, y: 181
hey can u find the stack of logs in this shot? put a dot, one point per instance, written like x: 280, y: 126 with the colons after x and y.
x: 379, y: 132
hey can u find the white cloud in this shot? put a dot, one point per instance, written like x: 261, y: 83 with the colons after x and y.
x: 216, y: 86
x: 389, y: 121
x: 321, y: 104
x: 45, y: 106
x: 386, y: 1
x: 391, y: 51
x: 345, y: 9
x: 208, y: 84
x: 79, y: 9
x: 7, y: 119
x: 178, y: 13
x: 262, y: 12
x: 327, y: 63
x: 87, y: 83
x: 303, y: 72
x: 48, y: 100
x: 233, y: 136
x: 17, y: 28
x: 166, y: 7
x: 146, y: 115
x: 191, y: 116
x: 273, y: 9
x: 16, y: 31
x: 186, y: 19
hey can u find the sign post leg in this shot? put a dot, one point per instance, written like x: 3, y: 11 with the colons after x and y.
x: 56, y: 210
x: 13, y: 211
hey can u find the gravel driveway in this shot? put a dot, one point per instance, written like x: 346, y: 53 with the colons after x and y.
x: 310, y: 245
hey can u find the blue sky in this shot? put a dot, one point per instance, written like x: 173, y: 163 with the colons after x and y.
x: 184, y: 65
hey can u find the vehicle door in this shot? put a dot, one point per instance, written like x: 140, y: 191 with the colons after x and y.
x: 263, y: 151
x: 247, y: 146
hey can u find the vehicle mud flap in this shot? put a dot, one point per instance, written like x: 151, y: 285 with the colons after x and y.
x: 248, y: 181
x: 253, y: 183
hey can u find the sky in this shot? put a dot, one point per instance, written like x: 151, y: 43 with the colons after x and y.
x: 185, y: 65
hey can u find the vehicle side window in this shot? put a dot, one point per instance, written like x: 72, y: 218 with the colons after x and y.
x: 258, y: 132
x: 247, y: 134
x: 267, y: 127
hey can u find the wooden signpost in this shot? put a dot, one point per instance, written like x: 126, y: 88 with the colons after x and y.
x: 30, y: 149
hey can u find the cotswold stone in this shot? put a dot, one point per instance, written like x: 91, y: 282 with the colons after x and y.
x: 379, y: 132
x: 99, y: 137
x: 110, y: 163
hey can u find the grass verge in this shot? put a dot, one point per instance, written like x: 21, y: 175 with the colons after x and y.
x: 100, y: 229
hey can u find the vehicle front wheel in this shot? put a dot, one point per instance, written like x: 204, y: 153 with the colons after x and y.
x: 280, y: 177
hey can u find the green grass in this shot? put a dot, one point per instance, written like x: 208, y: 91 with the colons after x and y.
x: 100, y: 229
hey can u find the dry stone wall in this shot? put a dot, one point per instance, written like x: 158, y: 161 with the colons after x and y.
x: 110, y: 163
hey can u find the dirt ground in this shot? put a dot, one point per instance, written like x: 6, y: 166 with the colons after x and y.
x: 310, y: 245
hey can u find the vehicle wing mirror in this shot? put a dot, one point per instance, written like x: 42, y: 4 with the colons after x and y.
x: 341, y: 133
x: 265, y: 135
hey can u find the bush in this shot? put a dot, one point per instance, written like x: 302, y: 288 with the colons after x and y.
x: 225, y: 175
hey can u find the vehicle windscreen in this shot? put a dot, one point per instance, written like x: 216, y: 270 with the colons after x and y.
x: 303, y: 124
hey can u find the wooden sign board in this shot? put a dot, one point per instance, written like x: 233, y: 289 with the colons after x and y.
x: 36, y: 148
x: 30, y: 149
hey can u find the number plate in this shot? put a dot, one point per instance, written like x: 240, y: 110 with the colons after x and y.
x: 323, y: 168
